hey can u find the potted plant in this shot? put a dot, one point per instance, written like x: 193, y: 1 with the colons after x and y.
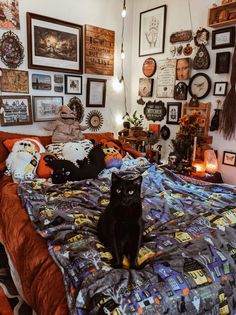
x: 135, y: 121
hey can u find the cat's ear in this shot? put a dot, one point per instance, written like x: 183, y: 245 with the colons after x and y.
x: 138, y: 180
x: 114, y: 177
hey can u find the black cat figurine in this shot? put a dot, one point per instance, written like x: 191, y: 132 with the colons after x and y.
x: 65, y: 170
x: 120, y: 226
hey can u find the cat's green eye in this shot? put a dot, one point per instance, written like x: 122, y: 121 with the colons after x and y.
x: 118, y: 191
x: 131, y: 192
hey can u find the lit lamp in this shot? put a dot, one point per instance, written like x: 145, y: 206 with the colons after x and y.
x: 211, y: 161
x: 200, y: 168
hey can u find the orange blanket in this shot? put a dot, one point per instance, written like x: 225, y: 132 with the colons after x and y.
x: 41, y: 279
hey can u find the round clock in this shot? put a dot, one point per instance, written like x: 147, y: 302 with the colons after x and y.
x: 94, y: 120
x: 149, y: 67
x: 200, y: 85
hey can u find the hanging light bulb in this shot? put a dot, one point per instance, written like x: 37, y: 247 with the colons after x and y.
x: 122, y: 54
x: 123, y: 13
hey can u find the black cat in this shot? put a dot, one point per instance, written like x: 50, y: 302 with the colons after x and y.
x: 120, y: 226
x: 65, y: 170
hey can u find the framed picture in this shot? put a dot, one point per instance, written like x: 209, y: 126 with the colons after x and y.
x: 15, y: 81
x: 145, y: 87
x: 73, y: 84
x: 173, y: 113
x: 99, y: 50
x: 96, y: 92
x: 58, y: 83
x: 46, y: 107
x: 200, y: 85
x: 10, y: 14
x: 152, y: 25
x: 220, y: 88
x: 183, y: 68
x: 16, y: 110
x: 166, y: 73
x: 229, y: 158
x: 41, y: 82
x: 223, y: 38
x: 180, y: 91
x: 54, y: 45
x: 222, y: 62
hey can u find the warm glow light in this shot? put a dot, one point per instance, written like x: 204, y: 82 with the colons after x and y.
x: 122, y: 55
x: 123, y: 13
x: 211, y: 161
x: 200, y: 168
x: 119, y: 120
x: 117, y: 85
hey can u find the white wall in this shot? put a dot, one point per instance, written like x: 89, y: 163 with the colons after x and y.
x: 102, y: 13
x: 178, y: 18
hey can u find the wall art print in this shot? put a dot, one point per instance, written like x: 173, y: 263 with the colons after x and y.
x: 14, y: 81
x: 9, y: 12
x: 41, y: 82
x: 166, y: 73
x: 54, y: 44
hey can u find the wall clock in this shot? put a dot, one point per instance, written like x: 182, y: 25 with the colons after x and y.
x: 149, y: 67
x: 200, y: 85
x: 11, y: 50
x: 94, y: 120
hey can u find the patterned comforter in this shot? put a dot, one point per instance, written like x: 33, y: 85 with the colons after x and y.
x: 188, y: 260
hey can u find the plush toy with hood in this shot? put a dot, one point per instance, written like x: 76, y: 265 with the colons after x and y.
x: 66, y: 127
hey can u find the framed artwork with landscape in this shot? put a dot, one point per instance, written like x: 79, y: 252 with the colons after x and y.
x: 46, y: 108
x: 54, y: 45
x: 152, y: 25
x: 16, y: 110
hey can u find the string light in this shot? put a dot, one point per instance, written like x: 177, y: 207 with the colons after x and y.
x: 122, y: 53
x: 123, y: 13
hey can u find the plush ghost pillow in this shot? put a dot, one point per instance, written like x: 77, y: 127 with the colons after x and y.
x: 77, y: 151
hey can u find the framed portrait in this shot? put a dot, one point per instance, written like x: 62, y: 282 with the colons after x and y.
x: 41, y: 82
x: 73, y: 84
x: 220, y: 88
x: 152, y: 26
x: 54, y: 45
x: 200, y: 85
x: 46, y: 108
x: 222, y: 62
x: 15, y: 81
x: 229, y: 158
x: 173, y: 113
x: 16, y: 110
x: 223, y: 38
x: 145, y: 87
x: 183, y: 67
x: 181, y: 91
x: 10, y: 15
x: 99, y: 50
x: 96, y: 92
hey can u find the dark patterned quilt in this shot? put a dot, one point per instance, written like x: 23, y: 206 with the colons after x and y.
x: 188, y: 260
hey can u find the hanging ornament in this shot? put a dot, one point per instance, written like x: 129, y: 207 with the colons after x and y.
x: 202, y: 58
x: 94, y: 120
x: 188, y: 49
x: 11, y: 50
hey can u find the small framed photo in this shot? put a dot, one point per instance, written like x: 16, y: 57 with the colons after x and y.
x: 73, y: 84
x: 173, y: 113
x: 229, y: 158
x: 220, y: 88
x: 16, y: 110
x: 96, y: 92
x: 222, y: 62
x: 145, y: 87
x: 41, y: 82
x: 46, y: 108
x: 181, y: 91
x: 223, y: 38
x: 152, y: 25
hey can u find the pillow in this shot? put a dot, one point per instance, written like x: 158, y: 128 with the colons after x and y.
x: 9, y: 143
x: 112, y: 158
x: 43, y: 170
x: 74, y: 151
x: 56, y: 149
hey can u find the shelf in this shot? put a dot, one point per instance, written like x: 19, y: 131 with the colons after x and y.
x: 222, y: 15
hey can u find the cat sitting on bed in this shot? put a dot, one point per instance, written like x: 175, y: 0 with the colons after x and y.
x: 120, y: 226
x: 65, y: 170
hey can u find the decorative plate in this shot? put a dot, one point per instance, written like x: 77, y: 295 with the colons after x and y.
x: 149, y: 67
x: 94, y: 120
x: 76, y: 105
x: 200, y: 85
x: 11, y: 50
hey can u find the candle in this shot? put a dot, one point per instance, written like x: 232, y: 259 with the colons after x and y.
x: 200, y: 168
x: 194, y: 148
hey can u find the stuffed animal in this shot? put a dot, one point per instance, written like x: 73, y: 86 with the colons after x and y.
x: 66, y: 127
x: 65, y: 170
x: 23, y: 160
x: 77, y: 152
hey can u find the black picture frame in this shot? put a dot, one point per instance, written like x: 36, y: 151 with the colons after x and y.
x: 223, y: 38
x: 148, y: 33
x: 199, y: 85
x: 220, y: 88
x: 229, y: 158
x: 180, y: 91
x: 96, y: 92
x: 73, y: 84
x: 173, y: 113
x: 222, y: 62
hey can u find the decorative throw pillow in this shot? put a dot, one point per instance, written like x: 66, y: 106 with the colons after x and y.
x: 112, y: 157
x: 56, y: 149
x: 9, y: 143
x: 77, y: 151
x: 43, y: 170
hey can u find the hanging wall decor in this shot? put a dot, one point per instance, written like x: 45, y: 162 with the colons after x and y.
x: 11, y: 50
x: 200, y: 85
x: 182, y: 36
x: 154, y: 111
x: 94, y: 120
x: 15, y: 81
x: 99, y: 50
x: 166, y: 72
x: 145, y: 87
x: 76, y: 105
x: 10, y: 15
x: 202, y: 58
x: 149, y: 67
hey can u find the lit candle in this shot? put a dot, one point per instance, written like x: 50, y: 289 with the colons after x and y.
x: 200, y: 168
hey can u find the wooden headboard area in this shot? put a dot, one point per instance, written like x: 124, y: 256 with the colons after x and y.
x: 45, y: 139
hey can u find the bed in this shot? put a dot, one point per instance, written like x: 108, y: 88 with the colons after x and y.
x: 187, y: 262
